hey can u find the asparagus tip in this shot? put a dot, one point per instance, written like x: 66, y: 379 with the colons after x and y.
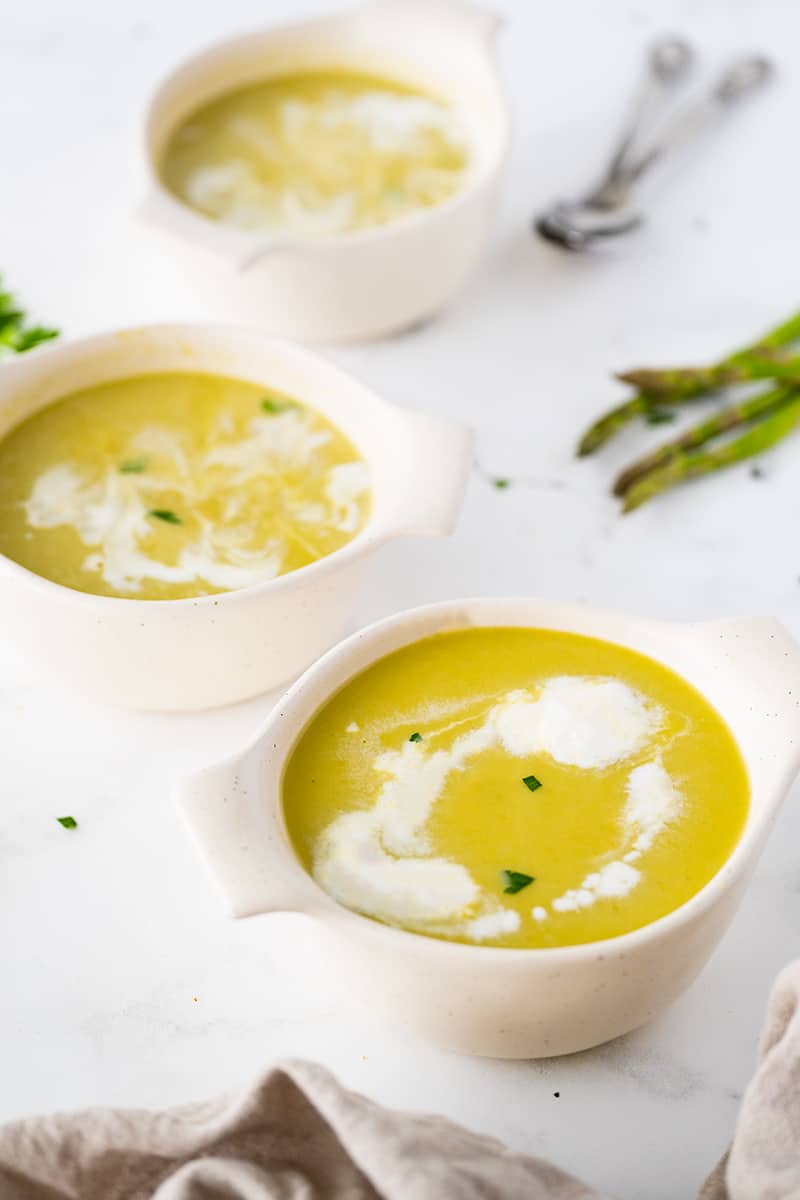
x: 633, y: 499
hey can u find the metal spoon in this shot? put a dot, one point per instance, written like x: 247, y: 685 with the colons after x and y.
x: 605, y: 211
x: 668, y: 62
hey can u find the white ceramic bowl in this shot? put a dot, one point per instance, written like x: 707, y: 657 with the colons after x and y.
x: 365, y: 283
x: 493, y: 1001
x: 197, y: 653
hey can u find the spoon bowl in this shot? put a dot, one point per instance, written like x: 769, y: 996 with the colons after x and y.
x: 576, y: 226
x: 605, y: 211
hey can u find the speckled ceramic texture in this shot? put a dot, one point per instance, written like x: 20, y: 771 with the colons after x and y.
x: 362, y: 284
x: 481, y: 1000
x: 200, y: 653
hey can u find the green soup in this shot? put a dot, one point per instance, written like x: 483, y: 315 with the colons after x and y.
x: 176, y: 485
x: 515, y: 787
x: 323, y: 152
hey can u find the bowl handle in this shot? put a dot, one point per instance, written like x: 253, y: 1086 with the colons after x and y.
x: 239, y: 249
x: 431, y: 462
x: 239, y: 843
x: 766, y: 658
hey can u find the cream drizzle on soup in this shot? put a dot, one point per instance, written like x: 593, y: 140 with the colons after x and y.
x: 317, y: 154
x: 176, y: 485
x: 515, y: 787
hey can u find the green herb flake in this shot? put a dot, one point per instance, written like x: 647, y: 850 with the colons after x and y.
x: 165, y: 514
x: 659, y: 416
x: 501, y: 484
x: 532, y: 783
x: 132, y: 466
x: 67, y: 822
x: 516, y: 881
x: 10, y: 318
x: 27, y: 339
x: 273, y: 407
x: 16, y: 335
x: 415, y: 737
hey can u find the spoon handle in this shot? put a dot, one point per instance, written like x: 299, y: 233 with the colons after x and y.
x: 668, y: 62
x: 742, y: 77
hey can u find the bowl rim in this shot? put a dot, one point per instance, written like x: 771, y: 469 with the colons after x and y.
x: 370, y: 537
x: 220, y: 236
x: 300, y: 698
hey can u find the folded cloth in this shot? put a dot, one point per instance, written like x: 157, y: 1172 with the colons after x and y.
x: 763, y: 1162
x: 298, y: 1135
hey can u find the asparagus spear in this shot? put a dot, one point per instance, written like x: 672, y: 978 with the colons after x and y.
x: 738, y: 366
x: 610, y: 424
x: 689, y: 464
x: 690, y: 382
x: 684, y: 383
x: 648, y: 400
x: 722, y: 422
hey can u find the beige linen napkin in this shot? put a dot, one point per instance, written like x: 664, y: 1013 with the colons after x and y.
x: 298, y: 1135
x: 763, y: 1162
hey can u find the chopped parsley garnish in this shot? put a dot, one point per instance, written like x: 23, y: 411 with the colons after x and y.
x: 659, y: 416
x: 67, y: 822
x: 27, y: 339
x: 273, y: 407
x: 415, y: 737
x: 10, y: 316
x: 532, y: 783
x: 132, y: 466
x: 16, y: 336
x: 516, y: 881
x: 501, y: 484
x: 165, y: 514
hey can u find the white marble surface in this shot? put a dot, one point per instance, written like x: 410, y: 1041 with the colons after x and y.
x: 122, y: 981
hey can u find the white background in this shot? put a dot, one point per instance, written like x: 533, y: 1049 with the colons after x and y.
x: 122, y: 980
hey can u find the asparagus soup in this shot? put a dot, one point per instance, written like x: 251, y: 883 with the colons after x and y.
x: 316, y: 153
x: 176, y: 485
x: 515, y: 787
